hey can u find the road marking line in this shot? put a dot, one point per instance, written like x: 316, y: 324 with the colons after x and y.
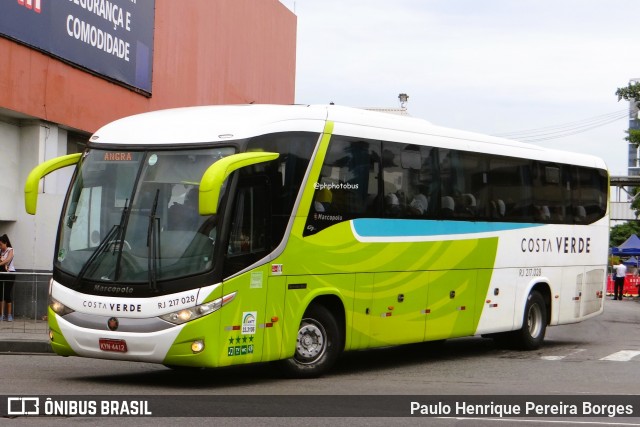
x: 576, y: 351
x: 622, y: 356
x: 542, y: 421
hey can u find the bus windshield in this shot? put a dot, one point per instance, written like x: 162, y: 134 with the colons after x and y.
x: 132, y: 216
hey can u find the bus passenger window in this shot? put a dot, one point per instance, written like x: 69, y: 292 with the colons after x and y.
x: 406, y: 172
x: 551, y: 190
x: 347, y: 187
x: 588, y: 194
x: 395, y: 179
x: 285, y: 174
x: 510, y: 187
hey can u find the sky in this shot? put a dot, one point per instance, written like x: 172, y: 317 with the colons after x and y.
x: 547, y: 67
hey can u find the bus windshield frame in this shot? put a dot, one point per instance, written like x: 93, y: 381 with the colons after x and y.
x: 131, y: 217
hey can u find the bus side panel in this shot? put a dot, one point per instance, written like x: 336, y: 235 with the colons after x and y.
x: 301, y: 291
x: 240, y: 334
x: 398, y: 312
x: 496, y: 313
x: 452, y: 303
x: 396, y: 270
x: 338, y: 249
x: 360, y: 315
x: 581, y: 294
x: 593, y: 291
x: 274, y: 320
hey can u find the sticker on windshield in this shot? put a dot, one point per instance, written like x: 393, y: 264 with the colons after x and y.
x: 61, y: 255
x: 153, y: 159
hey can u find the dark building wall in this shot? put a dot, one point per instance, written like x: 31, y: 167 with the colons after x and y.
x: 205, y: 52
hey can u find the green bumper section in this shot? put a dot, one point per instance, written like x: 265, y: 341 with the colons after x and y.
x: 58, y: 343
x: 203, y: 329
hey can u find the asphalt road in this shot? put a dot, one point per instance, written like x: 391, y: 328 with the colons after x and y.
x: 600, y: 356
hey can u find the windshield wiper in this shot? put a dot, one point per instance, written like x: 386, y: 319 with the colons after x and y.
x: 111, y: 238
x: 102, y: 247
x: 153, y: 243
x: 124, y: 218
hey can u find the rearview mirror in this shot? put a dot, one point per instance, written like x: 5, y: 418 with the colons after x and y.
x: 214, y: 176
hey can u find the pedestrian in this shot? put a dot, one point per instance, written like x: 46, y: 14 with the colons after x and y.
x: 6, y: 267
x: 621, y: 272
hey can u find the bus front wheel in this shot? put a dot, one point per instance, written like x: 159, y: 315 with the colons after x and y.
x: 534, y: 324
x: 317, y: 344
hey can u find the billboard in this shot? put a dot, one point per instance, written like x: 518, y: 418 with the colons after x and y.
x: 112, y: 38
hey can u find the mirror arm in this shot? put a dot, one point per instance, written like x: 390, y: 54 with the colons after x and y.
x: 39, y: 172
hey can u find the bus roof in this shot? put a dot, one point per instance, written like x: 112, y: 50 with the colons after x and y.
x: 219, y: 123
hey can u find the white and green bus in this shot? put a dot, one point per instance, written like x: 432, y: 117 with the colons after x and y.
x: 224, y: 235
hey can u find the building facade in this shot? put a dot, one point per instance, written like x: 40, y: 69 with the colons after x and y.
x: 633, y: 168
x: 70, y: 67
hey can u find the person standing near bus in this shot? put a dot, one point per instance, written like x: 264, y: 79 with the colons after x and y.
x: 6, y: 266
x: 621, y: 272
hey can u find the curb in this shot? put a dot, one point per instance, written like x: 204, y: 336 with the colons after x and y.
x: 25, y: 346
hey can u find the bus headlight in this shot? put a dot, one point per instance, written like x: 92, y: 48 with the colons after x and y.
x: 192, y: 313
x: 59, y: 308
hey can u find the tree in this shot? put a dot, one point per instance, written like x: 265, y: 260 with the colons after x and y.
x: 635, y: 203
x: 633, y: 136
x: 631, y: 93
x: 620, y: 233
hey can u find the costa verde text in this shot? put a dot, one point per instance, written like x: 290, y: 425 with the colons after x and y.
x: 113, y: 307
x: 566, y: 245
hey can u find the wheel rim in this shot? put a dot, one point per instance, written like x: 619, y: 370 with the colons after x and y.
x: 311, y: 341
x: 534, y: 320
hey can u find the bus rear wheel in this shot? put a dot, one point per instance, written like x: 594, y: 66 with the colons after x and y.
x: 317, y: 344
x: 534, y: 324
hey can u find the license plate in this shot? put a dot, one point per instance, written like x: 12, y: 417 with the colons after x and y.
x: 118, y: 346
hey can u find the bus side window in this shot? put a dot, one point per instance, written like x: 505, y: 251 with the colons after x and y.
x: 588, y: 194
x: 347, y: 187
x: 417, y: 182
x: 448, y: 186
x: 471, y: 186
x: 407, y: 180
x: 285, y: 174
x: 551, y: 193
x: 394, y: 181
x: 249, y: 234
x: 510, y: 189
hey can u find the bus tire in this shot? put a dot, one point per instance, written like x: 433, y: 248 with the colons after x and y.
x: 317, y: 344
x: 534, y: 323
